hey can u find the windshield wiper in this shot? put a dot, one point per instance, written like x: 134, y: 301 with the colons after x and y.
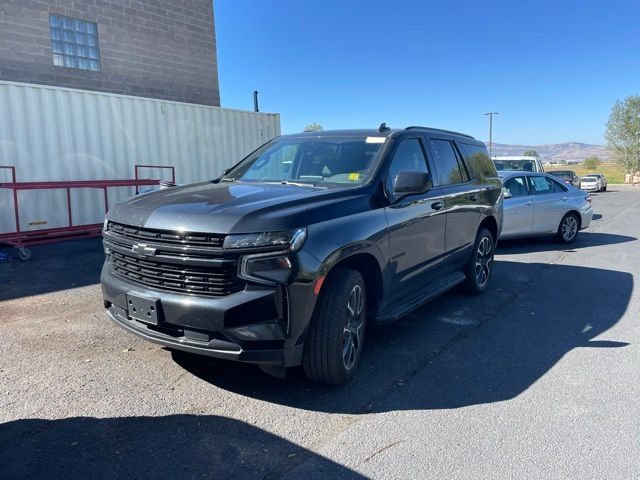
x: 228, y: 179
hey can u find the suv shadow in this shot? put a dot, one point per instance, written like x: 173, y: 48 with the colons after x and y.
x: 176, y: 446
x: 458, y: 350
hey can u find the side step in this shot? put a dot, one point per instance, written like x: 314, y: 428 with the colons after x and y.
x: 419, y: 298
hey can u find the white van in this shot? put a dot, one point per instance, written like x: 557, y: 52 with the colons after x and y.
x: 518, y: 163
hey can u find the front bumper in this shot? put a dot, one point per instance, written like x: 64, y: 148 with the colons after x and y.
x: 252, y: 325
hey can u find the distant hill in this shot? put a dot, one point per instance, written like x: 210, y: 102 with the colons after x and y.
x: 569, y: 152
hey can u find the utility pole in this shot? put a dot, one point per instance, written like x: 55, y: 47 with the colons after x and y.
x: 491, y: 114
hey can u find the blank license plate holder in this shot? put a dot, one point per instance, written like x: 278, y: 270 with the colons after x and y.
x: 143, y: 309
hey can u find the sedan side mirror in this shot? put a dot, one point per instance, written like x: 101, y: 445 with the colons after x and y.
x: 411, y: 182
x: 506, y: 193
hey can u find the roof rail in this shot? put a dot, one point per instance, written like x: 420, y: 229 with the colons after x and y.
x: 417, y: 127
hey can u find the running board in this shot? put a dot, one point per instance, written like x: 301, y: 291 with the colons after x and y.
x: 419, y: 298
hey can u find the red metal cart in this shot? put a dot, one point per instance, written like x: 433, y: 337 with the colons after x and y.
x: 22, y: 239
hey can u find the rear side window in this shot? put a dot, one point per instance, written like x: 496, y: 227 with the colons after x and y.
x: 449, y: 166
x: 408, y: 156
x: 544, y: 185
x: 558, y: 186
x: 478, y: 159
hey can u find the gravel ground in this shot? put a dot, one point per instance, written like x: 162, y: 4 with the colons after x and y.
x: 537, y: 378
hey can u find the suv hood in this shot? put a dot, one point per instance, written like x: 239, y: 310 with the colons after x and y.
x: 237, y: 207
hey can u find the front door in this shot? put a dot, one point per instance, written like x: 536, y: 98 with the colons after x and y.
x: 416, y: 225
x: 518, y: 208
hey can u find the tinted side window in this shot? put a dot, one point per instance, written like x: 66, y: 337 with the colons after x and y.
x: 408, y: 156
x: 517, y: 187
x: 467, y: 174
x: 446, y: 162
x: 541, y: 185
x: 478, y: 159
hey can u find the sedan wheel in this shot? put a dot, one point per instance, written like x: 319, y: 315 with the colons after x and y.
x: 568, y: 228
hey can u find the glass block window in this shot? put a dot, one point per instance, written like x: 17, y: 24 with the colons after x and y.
x: 74, y: 43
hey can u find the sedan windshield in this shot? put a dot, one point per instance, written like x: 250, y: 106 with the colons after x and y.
x: 589, y: 179
x: 321, y: 160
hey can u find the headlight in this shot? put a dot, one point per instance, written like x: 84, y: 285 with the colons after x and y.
x: 288, y: 238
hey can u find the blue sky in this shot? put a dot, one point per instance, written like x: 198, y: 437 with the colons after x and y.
x: 552, y: 69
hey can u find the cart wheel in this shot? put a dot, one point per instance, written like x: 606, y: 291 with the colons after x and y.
x: 24, y: 254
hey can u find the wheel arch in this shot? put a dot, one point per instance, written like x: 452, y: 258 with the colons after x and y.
x: 576, y: 213
x: 366, y: 260
x: 490, y: 224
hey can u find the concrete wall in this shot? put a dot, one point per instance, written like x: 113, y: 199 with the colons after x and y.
x: 160, y: 49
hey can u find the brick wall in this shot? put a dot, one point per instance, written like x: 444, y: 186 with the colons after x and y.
x: 151, y: 48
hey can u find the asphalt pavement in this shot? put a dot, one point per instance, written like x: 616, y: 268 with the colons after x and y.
x: 537, y: 378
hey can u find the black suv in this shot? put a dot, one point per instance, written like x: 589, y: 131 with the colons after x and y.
x: 567, y: 176
x: 288, y: 256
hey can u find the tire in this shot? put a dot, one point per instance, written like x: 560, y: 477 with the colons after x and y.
x: 604, y: 189
x: 334, y: 343
x: 568, y: 228
x: 480, y: 264
x: 24, y: 254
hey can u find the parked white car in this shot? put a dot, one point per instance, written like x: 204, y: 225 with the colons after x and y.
x: 603, y: 181
x: 538, y: 204
x: 521, y: 163
x: 590, y: 184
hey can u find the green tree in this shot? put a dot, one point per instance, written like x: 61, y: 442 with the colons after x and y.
x: 623, y: 133
x: 531, y: 153
x: 313, y: 127
x: 591, y: 163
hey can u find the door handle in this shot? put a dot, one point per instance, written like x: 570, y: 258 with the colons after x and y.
x: 529, y: 203
x: 473, y: 197
x: 564, y: 199
x: 437, y: 205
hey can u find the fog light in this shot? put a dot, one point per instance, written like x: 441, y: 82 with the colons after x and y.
x: 266, y: 268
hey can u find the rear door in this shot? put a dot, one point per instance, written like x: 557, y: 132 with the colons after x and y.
x: 416, y: 225
x: 551, y: 203
x: 462, y: 200
x: 518, y: 208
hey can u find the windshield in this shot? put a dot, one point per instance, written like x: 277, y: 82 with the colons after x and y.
x: 322, y: 160
x: 561, y: 173
x: 517, y: 165
x: 589, y: 179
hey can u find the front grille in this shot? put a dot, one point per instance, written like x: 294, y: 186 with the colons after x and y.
x: 214, y: 281
x: 162, y: 236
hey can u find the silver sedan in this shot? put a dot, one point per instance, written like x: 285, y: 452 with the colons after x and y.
x: 537, y: 204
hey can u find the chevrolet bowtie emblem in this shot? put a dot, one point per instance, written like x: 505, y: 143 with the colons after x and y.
x: 142, y: 250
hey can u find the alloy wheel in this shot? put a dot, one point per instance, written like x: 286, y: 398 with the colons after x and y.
x: 353, y: 328
x: 569, y: 228
x: 484, y: 261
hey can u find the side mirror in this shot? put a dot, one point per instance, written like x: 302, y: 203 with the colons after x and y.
x: 411, y: 182
x: 506, y: 193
